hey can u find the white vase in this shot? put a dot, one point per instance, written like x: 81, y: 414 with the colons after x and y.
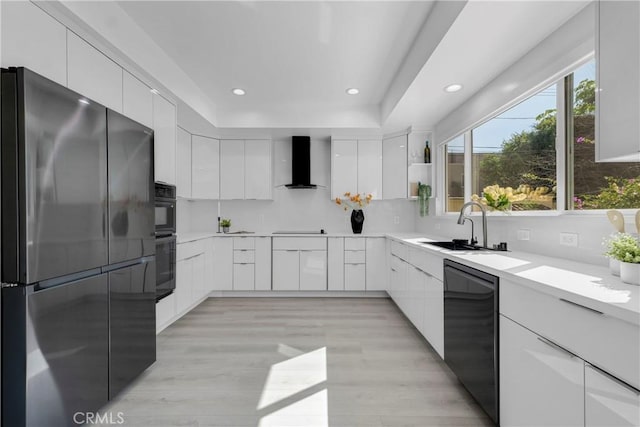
x: 630, y: 273
x: 614, y: 267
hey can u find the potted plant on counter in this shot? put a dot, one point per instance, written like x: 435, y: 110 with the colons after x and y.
x: 356, y: 202
x: 225, y: 223
x: 625, y: 248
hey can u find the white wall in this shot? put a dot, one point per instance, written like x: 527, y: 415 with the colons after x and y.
x: 544, y: 233
x: 297, y: 209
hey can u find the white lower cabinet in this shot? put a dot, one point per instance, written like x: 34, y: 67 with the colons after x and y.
x: 433, y: 324
x: 376, y: 264
x: 184, y: 284
x: 243, y: 277
x: 335, y: 263
x: 354, y: 277
x: 286, y: 270
x: 541, y: 384
x: 608, y: 401
x: 223, y: 263
x: 165, y: 312
x: 263, y: 264
x: 313, y: 270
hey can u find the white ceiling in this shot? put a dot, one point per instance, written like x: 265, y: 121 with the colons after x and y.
x: 295, y: 59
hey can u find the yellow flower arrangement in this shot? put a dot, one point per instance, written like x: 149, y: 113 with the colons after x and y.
x: 357, y: 201
x: 499, y: 198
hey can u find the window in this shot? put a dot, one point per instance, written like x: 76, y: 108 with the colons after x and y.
x: 455, y: 174
x: 592, y: 185
x: 514, y: 163
x: 516, y: 151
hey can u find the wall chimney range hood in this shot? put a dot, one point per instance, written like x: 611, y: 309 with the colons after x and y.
x: 300, y: 163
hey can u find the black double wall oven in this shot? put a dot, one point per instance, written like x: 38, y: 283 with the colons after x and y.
x: 165, y: 240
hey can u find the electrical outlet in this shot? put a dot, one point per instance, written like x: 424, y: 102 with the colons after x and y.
x: 396, y: 219
x: 523, y: 234
x: 261, y: 219
x: 438, y: 226
x: 569, y: 239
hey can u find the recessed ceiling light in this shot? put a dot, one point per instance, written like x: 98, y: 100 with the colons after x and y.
x: 238, y: 91
x: 155, y: 91
x: 83, y: 101
x: 453, y: 88
x: 352, y: 91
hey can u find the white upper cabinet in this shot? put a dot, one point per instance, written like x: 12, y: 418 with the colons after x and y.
x: 183, y: 164
x: 344, y: 167
x: 205, y: 172
x: 618, y: 77
x: 370, y: 167
x: 137, y: 100
x: 245, y: 169
x: 164, y: 126
x: 257, y: 166
x: 394, y: 167
x: 94, y: 75
x: 231, y: 169
x: 31, y: 38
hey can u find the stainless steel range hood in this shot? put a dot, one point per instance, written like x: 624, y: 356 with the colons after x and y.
x: 300, y: 163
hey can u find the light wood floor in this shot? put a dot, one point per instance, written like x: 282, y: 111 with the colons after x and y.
x: 296, y: 362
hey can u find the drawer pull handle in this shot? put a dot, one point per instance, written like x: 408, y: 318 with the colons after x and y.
x: 580, y: 305
x: 556, y: 346
x: 614, y: 379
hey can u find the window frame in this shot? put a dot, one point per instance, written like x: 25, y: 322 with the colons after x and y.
x: 564, y: 156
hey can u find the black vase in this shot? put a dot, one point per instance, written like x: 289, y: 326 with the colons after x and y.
x: 357, y: 221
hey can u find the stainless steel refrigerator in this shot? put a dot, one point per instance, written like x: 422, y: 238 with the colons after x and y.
x: 78, y: 268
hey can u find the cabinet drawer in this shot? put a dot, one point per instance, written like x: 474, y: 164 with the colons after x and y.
x: 300, y: 243
x: 354, y: 277
x: 354, y: 244
x: 244, y: 243
x: 243, y: 256
x: 608, y: 343
x: 355, y: 257
x: 190, y: 249
x: 400, y: 250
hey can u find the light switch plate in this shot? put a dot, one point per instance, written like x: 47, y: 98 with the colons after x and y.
x: 523, y: 234
x: 396, y: 219
x: 569, y: 239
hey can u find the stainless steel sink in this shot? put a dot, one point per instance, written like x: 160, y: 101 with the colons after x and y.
x: 454, y: 245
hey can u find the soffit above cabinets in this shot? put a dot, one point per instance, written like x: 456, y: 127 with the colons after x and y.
x: 296, y: 59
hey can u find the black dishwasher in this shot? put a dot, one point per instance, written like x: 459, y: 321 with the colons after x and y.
x: 471, y: 332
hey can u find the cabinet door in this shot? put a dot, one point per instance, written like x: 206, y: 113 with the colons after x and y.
x: 344, y: 167
x: 243, y: 277
x: 540, y: 383
x: 205, y: 172
x: 223, y: 263
x: 199, y: 277
x: 608, y: 401
x: 433, y: 325
x: 335, y: 263
x: 31, y: 38
x: 617, y: 97
x: 137, y: 100
x: 313, y: 270
x: 370, y: 168
x: 286, y: 270
x: 164, y: 127
x: 165, y: 312
x: 263, y: 263
x: 209, y: 278
x: 376, y: 277
x: 257, y: 162
x: 183, y: 164
x: 415, y: 297
x: 184, y: 280
x: 354, y: 277
x: 92, y: 74
x: 394, y: 168
x: 231, y: 169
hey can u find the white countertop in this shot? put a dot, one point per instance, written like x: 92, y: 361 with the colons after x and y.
x: 590, y: 285
x: 198, y: 235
